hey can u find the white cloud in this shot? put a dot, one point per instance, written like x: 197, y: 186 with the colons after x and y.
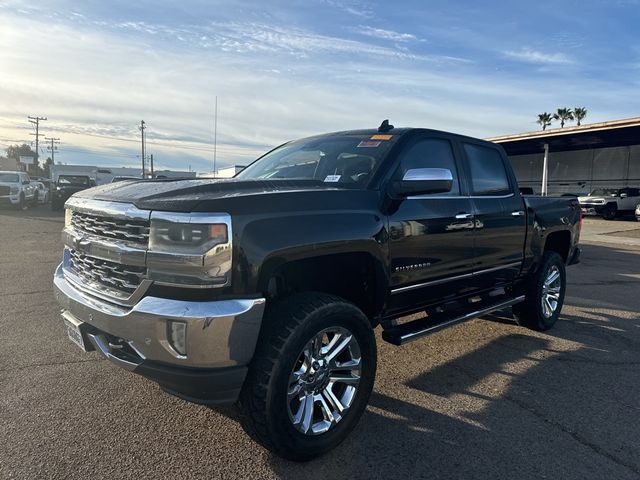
x: 534, y: 56
x: 385, y: 34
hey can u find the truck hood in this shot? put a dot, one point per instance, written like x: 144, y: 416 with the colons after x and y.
x: 594, y: 200
x: 187, y: 195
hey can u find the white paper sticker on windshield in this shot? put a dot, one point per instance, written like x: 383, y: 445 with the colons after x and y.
x: 332, y: 178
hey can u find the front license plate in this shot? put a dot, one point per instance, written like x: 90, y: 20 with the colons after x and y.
x: 73, y: 331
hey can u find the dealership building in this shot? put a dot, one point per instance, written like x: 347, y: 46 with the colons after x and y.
x: 579, y: 158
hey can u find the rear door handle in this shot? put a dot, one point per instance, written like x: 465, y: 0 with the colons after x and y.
x: 517, y: 213
x: 464, y: 216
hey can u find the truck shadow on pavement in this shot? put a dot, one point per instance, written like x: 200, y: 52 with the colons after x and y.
x: 558, y: 404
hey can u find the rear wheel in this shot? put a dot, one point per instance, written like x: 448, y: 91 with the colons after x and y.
x: 610, y: 212
x: 544, y: 296
x: 311, y: 377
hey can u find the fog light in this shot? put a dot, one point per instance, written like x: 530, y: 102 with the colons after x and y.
x: 178, y: 336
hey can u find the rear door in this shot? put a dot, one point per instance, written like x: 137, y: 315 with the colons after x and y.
x: 499, y: 214
x: 431, y: 236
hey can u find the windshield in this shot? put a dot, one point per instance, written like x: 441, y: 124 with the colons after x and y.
x: 604, y: 192
x: 344, y: 159
x: 73, y: 180
x: 9, y: 177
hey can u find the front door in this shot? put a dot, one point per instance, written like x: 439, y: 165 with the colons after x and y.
x: 431, y: 236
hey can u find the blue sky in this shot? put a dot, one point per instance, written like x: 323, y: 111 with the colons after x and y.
x: 282, y: 70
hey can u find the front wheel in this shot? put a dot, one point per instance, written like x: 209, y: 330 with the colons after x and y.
x: 311, y: 376
x: 610, y: 212
x: 544, y: 296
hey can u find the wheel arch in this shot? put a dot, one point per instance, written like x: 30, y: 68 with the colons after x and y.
x: 357, y: 276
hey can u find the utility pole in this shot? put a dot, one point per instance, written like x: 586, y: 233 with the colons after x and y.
x: 36, y: 121
x: 152, y: 166
x: 142, y: 127
x: 52, y: 148
x: 215, y: 137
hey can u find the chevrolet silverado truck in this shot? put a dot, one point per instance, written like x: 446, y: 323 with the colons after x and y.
x: 264, y: 290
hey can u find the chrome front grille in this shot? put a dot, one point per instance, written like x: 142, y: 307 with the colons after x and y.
x: 4, y: 190
x: 114, y: 276
x: 135, y: 231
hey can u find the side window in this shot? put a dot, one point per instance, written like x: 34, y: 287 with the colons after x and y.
x: 430, y: 153
x: 634, y: 192
x: 488, y: 174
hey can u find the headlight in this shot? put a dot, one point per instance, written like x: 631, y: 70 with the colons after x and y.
x: 67, y: 217
x: 14, y: 191
x: 190, y: 249
x: 186, y: 237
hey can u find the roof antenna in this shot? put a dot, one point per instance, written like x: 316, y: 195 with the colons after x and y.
x: 384, y: 126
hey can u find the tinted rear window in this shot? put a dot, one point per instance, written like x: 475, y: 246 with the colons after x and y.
x: 488, y: 173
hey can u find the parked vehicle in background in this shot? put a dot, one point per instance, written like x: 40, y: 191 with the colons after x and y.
x: 264, y: 289
x: 16, y: 189
x: 120, y: 179
x: 610, y: 202
x: 638, y: 212
x: 67, y: 185
x: 42, y: 192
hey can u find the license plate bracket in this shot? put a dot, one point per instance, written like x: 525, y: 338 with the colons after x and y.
x: 74, y: 332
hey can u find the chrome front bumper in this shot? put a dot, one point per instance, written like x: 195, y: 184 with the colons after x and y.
x: 220, y: 334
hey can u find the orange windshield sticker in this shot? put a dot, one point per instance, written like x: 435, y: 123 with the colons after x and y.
x: 381, y: 137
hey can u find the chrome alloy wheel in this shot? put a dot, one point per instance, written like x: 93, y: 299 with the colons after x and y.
x: 324, y: 381
x: 551, y: 291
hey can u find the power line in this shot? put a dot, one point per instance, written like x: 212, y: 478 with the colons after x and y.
x: 142, y: 127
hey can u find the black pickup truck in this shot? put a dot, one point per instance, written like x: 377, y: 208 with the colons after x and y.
x: 264, y: 290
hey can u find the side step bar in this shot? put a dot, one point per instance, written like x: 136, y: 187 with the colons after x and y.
x: 407, y: 332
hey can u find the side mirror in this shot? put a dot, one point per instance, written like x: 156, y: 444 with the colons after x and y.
x: 26, y: 182
x: 421, y: 181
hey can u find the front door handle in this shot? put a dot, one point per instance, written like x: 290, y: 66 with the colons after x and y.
x: 464, y: 216
x: 517, y: 213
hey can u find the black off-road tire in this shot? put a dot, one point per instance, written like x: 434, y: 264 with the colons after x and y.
x: 287, y: 327
x: 530, y: 312
x: 610, y: 212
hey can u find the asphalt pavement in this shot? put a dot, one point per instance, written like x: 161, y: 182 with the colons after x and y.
x: 486, y: 399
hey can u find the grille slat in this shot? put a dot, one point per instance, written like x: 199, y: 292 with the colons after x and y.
x: 4, y: 190
x: 123, y: 278
x: 113, y: 228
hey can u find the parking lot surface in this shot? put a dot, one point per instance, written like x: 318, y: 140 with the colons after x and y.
x: 485, y: 399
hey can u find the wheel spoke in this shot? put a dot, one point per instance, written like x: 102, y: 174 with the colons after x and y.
x: 346, y: 365
x: 553, y: 276
x: 348, y: 379
x: 332, y: 399
x: 307, y: 413
x: 338, y: 348
x: 326, y: 411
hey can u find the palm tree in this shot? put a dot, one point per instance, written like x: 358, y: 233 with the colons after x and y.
x: 544, y: 119
x: 563, y: 114
x: 579, y: 113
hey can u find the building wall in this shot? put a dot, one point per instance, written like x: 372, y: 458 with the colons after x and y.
x: 580, y: 171
x: 9, y: 164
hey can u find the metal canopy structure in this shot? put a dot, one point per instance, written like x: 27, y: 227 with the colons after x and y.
x: 576, y: 159
x: 618, y: 133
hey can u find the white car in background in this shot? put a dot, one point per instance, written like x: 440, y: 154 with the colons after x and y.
x: 610, y: 202
x: 16, y: 189
x: 638, y: 212
x: 42, y: 192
